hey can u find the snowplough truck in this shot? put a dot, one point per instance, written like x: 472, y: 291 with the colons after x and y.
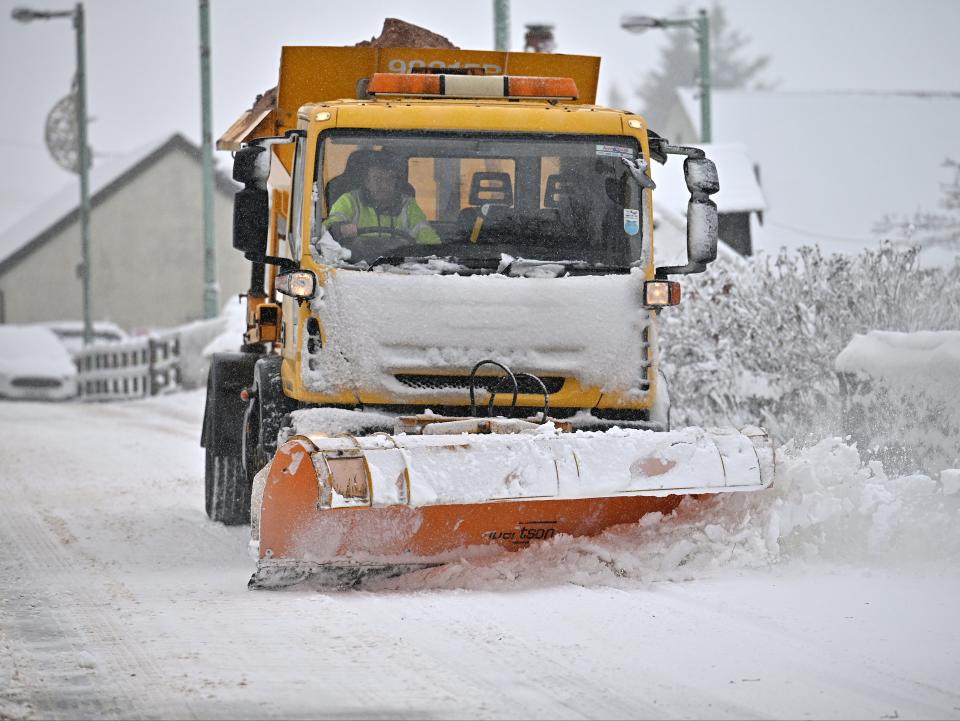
x: 486, y: 378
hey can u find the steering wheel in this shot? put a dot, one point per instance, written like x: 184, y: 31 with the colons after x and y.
x: 385, y: 230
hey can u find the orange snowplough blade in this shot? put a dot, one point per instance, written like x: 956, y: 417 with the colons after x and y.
x: 343, y: 509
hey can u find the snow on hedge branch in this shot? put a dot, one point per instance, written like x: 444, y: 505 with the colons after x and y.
x: 756, y: 342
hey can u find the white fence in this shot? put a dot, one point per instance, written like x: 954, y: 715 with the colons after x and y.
x: 148, y: 365
x: 129, y: 369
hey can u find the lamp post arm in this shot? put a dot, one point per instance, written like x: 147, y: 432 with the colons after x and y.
x: 25, y: 15
x: 679, y: 23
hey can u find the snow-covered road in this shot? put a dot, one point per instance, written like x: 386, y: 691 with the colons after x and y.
x: 835, y: 596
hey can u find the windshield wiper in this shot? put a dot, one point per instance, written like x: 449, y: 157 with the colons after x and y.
x: 443, y: 264
x: 598, y: 269
x: 546, y: 268
x: 505, y: 265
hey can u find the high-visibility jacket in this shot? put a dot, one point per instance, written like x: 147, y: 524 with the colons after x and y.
x: 350, y: 208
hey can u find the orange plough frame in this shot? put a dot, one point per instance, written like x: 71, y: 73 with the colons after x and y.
x: 301, y: 534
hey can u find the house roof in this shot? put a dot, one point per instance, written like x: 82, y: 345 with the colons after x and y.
x: 832, y: 164
x: 63, y: 208
x: 739, y: 190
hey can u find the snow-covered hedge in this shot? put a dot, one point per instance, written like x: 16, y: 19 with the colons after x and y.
x: 755, y: 340
x: 901, y: 396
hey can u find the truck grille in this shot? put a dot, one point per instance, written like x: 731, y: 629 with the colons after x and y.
x: 446, y: 382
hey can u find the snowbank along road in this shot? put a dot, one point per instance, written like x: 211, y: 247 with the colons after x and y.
x: 833, y: 595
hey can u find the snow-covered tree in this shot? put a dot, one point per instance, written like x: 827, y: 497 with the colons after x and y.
x: 930, y: 229
x: 679, y: 64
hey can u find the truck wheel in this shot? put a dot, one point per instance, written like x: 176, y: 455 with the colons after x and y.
x: 228, y: 493
x: 266, y: 410
x: 227, y: 489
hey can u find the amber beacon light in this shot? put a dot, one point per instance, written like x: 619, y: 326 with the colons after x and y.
x: 473, y: 86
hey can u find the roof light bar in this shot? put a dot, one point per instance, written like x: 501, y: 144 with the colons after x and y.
x: 473, y: 86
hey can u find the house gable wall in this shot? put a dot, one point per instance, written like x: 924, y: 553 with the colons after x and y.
x: 146, y: 242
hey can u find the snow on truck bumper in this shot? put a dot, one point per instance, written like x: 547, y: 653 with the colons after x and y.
x: 412, y: 501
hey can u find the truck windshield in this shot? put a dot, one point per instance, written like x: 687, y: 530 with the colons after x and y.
x: 476, y: 196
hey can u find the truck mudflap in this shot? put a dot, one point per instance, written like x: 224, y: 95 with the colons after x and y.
x: 344, y: 509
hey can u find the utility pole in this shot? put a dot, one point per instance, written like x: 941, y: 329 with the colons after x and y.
x: 211, y: 293
x: 501, y: 24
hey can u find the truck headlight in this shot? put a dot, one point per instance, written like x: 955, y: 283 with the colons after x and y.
x: 299, y: 284
x: 658, y: 293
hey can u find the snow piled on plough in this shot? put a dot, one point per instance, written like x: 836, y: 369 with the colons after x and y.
x: 824, y: 505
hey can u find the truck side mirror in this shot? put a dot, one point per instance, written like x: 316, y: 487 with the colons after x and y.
x: 701, y: 176
x: 702, y: 230
x: 251, y: 206
x: 703, y: 222
x: 251, y: 165
x: 251, y: 222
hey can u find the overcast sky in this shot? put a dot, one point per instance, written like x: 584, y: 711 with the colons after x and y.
x: 143, y: 62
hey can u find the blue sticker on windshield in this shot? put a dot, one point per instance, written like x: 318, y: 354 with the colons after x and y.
x: 631, y: 221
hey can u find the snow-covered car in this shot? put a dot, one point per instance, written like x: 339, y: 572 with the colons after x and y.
x: 70, y: 333
x: 35, y: 365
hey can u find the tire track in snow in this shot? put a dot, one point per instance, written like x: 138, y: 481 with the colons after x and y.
x: 122, y: 677
x: 137, y: 416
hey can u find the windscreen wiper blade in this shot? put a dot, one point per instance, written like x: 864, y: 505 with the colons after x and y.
x: 531, y: 266
x: 599, y: 269
x: 460, y: 266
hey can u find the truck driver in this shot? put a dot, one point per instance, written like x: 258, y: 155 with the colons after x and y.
x: 379, y: 206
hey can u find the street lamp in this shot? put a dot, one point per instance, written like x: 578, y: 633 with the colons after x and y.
x: 211, y: 295
x: 700, y: 26
x: 25, y: 15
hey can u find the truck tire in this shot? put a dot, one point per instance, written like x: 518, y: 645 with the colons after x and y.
x: 265, y: 415
x: 227, y: 489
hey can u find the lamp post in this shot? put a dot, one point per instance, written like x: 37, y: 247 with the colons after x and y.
x: 700, y: 26
x: 211, y: 299
x: 501, y: 24
x: 26, y: 15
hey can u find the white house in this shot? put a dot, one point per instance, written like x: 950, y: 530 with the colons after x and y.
x: 832, y: 164
x: 146, y: 245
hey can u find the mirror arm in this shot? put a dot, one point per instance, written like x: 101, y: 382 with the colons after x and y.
x: 285, y: 264
x: 688, y: 269
x: 660, y: 148
x: 687, y: 150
